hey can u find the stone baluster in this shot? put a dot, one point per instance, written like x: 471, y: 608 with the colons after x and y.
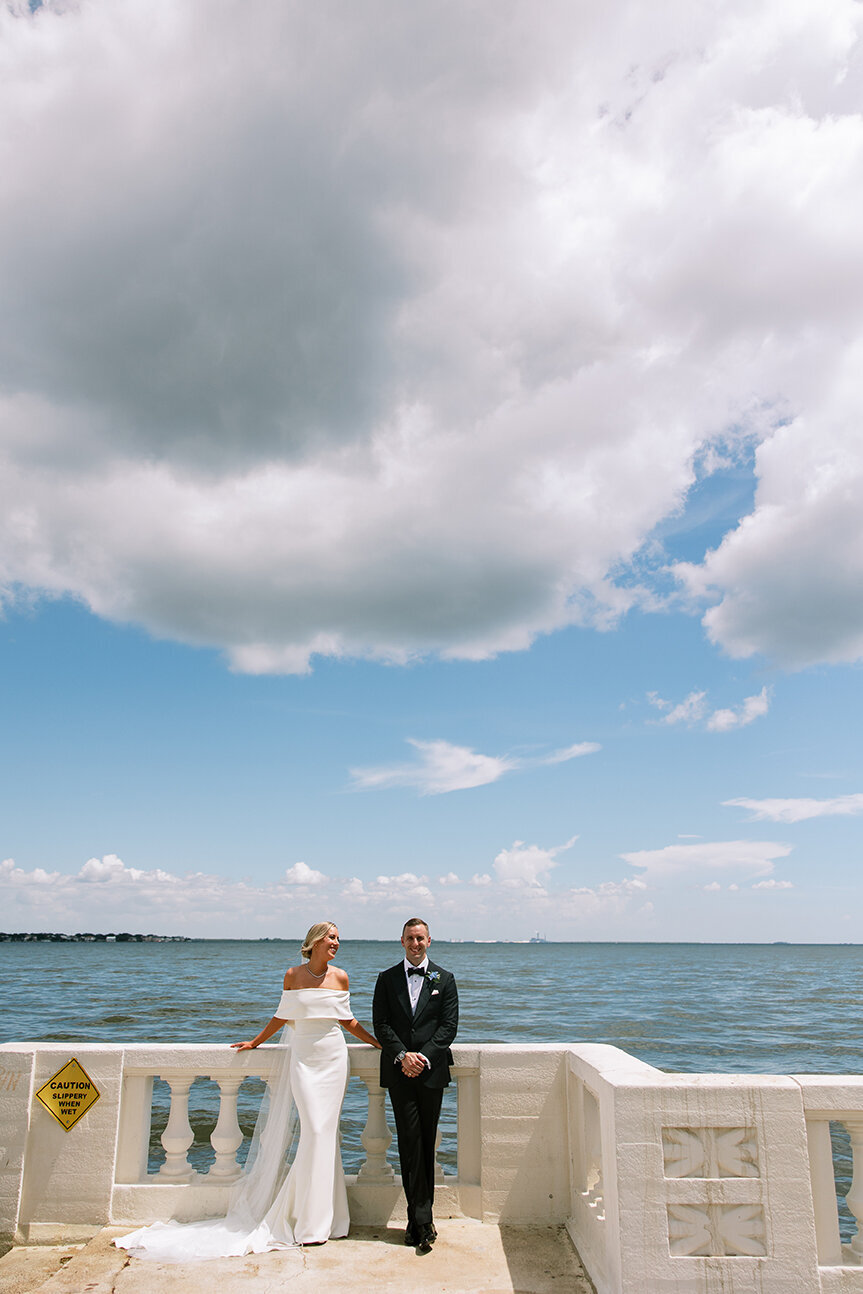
x: 227, y: 1137
x: 133, y: 1138
x: 178, y: 1135
x: 824, y: 1193
x: 376, y: 1137
x: 854, y: 1198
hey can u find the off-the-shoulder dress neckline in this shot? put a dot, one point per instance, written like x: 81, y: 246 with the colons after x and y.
x: 316, y: 989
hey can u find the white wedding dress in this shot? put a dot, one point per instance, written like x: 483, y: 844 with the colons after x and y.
x: 269, y: 1210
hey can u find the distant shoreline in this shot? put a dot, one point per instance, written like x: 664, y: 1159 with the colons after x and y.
x: 125, y: 937
x: 44, y: 937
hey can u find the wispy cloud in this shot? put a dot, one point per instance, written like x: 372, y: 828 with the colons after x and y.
x: 441, y: 766
x: 753, y: 707
x: 694, y: 707
x: 799, y: 810
x: 571, y: 752
x: 753, y: 856
x: 689, y: 710
x: 770, y: 884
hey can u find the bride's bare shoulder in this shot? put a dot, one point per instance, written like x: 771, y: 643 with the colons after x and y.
x: 339, y: 978
x: 291, y: 977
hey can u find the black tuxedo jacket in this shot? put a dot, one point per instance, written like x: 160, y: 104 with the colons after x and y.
x: 430, y: 1029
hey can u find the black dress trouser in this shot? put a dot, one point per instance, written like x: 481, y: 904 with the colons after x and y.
x: 416, y: 1108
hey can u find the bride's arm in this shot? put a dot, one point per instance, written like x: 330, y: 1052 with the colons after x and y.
x: 267, y: 1032
x: 354, y: 1027
x: 269, y: 1029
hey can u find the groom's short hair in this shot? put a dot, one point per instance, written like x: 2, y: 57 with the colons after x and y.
x: 414, y: 921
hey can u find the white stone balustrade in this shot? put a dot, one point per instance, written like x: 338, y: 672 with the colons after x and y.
x: 667, y: 1183
x: 835, y: 1100
x: 119, y: 1127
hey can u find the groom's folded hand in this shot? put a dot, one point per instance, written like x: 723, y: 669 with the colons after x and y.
x: 413, y: 1064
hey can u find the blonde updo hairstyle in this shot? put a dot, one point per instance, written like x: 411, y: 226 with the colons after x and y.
x: 314, y: 934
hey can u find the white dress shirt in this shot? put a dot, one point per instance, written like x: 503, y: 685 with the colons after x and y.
x: 414, y: 989
x: 415, y: 981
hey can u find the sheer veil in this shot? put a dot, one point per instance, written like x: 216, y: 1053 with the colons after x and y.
x: 247, y: 1227
x: 267, y: 1161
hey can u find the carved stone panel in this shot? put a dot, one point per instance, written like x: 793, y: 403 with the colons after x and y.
x: 710, y: 1152
x: 592, y: 1162
x: 716, y: 1230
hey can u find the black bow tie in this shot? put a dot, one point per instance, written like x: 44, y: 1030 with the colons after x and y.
x: 416, y: 970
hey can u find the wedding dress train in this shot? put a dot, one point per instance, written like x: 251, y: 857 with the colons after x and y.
x: 269, y: 1210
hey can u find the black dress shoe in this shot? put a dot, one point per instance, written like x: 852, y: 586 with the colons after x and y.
x: 427, y: 1237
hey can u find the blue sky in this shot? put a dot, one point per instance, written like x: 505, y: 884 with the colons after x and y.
x: 157, y: 761
x: 431, y: 470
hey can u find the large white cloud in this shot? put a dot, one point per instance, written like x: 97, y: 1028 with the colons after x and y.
x: 302, y: 874
x: 788, y: 580
x: 528, y: 866
x: 387, y: 329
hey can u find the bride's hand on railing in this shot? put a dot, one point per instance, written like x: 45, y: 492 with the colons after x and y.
x: 268, y: 1030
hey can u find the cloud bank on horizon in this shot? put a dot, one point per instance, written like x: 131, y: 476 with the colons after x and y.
x: 354, y: 332
x: 105, y: 893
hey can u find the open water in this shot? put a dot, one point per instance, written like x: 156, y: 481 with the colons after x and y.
x: 780, y: 1009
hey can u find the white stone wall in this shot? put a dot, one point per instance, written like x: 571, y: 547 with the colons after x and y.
x: 58, y: 1184
x: 667, y: 1183
x: 703, y: 1183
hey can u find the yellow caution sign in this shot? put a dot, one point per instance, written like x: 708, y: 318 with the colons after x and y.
x: 69, y: 1094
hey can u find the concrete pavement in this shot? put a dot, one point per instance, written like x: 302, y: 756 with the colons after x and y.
x: 469, y: 1258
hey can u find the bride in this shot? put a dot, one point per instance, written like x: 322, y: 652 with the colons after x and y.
x: 309, y: 1206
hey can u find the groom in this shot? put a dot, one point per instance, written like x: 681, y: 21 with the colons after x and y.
x: 415, y: 1017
